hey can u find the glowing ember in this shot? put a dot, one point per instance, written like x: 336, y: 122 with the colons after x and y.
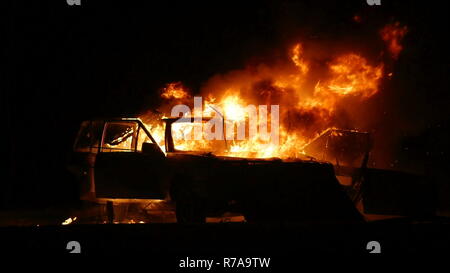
x: 297, y: 58
x: 69, y: 221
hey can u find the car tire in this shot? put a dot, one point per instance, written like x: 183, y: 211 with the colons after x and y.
x: 189, y: 207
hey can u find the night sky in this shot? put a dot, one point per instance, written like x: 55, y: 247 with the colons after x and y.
x: 65, y: 64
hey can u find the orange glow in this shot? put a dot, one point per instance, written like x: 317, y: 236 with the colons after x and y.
x: 69, y: 221
x: 174, y: 90
x: 393, y: 34
x: 351, y: 75
x: 297, y: 58
x: 308, y: 93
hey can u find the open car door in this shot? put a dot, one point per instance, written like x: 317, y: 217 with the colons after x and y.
x: 129, y: 163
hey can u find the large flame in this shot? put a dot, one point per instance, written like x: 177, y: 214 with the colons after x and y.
x: 307, y: 97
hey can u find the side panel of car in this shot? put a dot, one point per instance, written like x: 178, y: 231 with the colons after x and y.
x: 117, y: 159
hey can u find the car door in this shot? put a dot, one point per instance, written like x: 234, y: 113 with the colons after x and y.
x: 129, y: 163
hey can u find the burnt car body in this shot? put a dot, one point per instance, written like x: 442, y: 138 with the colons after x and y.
x: 119, y: 159
x: 381, y: 191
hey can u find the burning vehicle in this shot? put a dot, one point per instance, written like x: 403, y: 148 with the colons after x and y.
x: 212, y: 130
x: 316, y: 170
x: 119, y: 159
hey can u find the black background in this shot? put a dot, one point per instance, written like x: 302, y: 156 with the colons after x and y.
x: 66, y: 63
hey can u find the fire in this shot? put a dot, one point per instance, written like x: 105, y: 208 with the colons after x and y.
x: 157, y: 131
x: 231, y: 107
x: 308, y: 94
x: 351, y: 75
x: 69, y: 221
x: 297, y: 58
x: 174, y: 90
x: 393, y: 34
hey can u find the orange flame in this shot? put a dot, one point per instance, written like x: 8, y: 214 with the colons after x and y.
x: 351, y: 75
x: 297, y: 58
x: 308, y: 98
x: 174, y: 90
